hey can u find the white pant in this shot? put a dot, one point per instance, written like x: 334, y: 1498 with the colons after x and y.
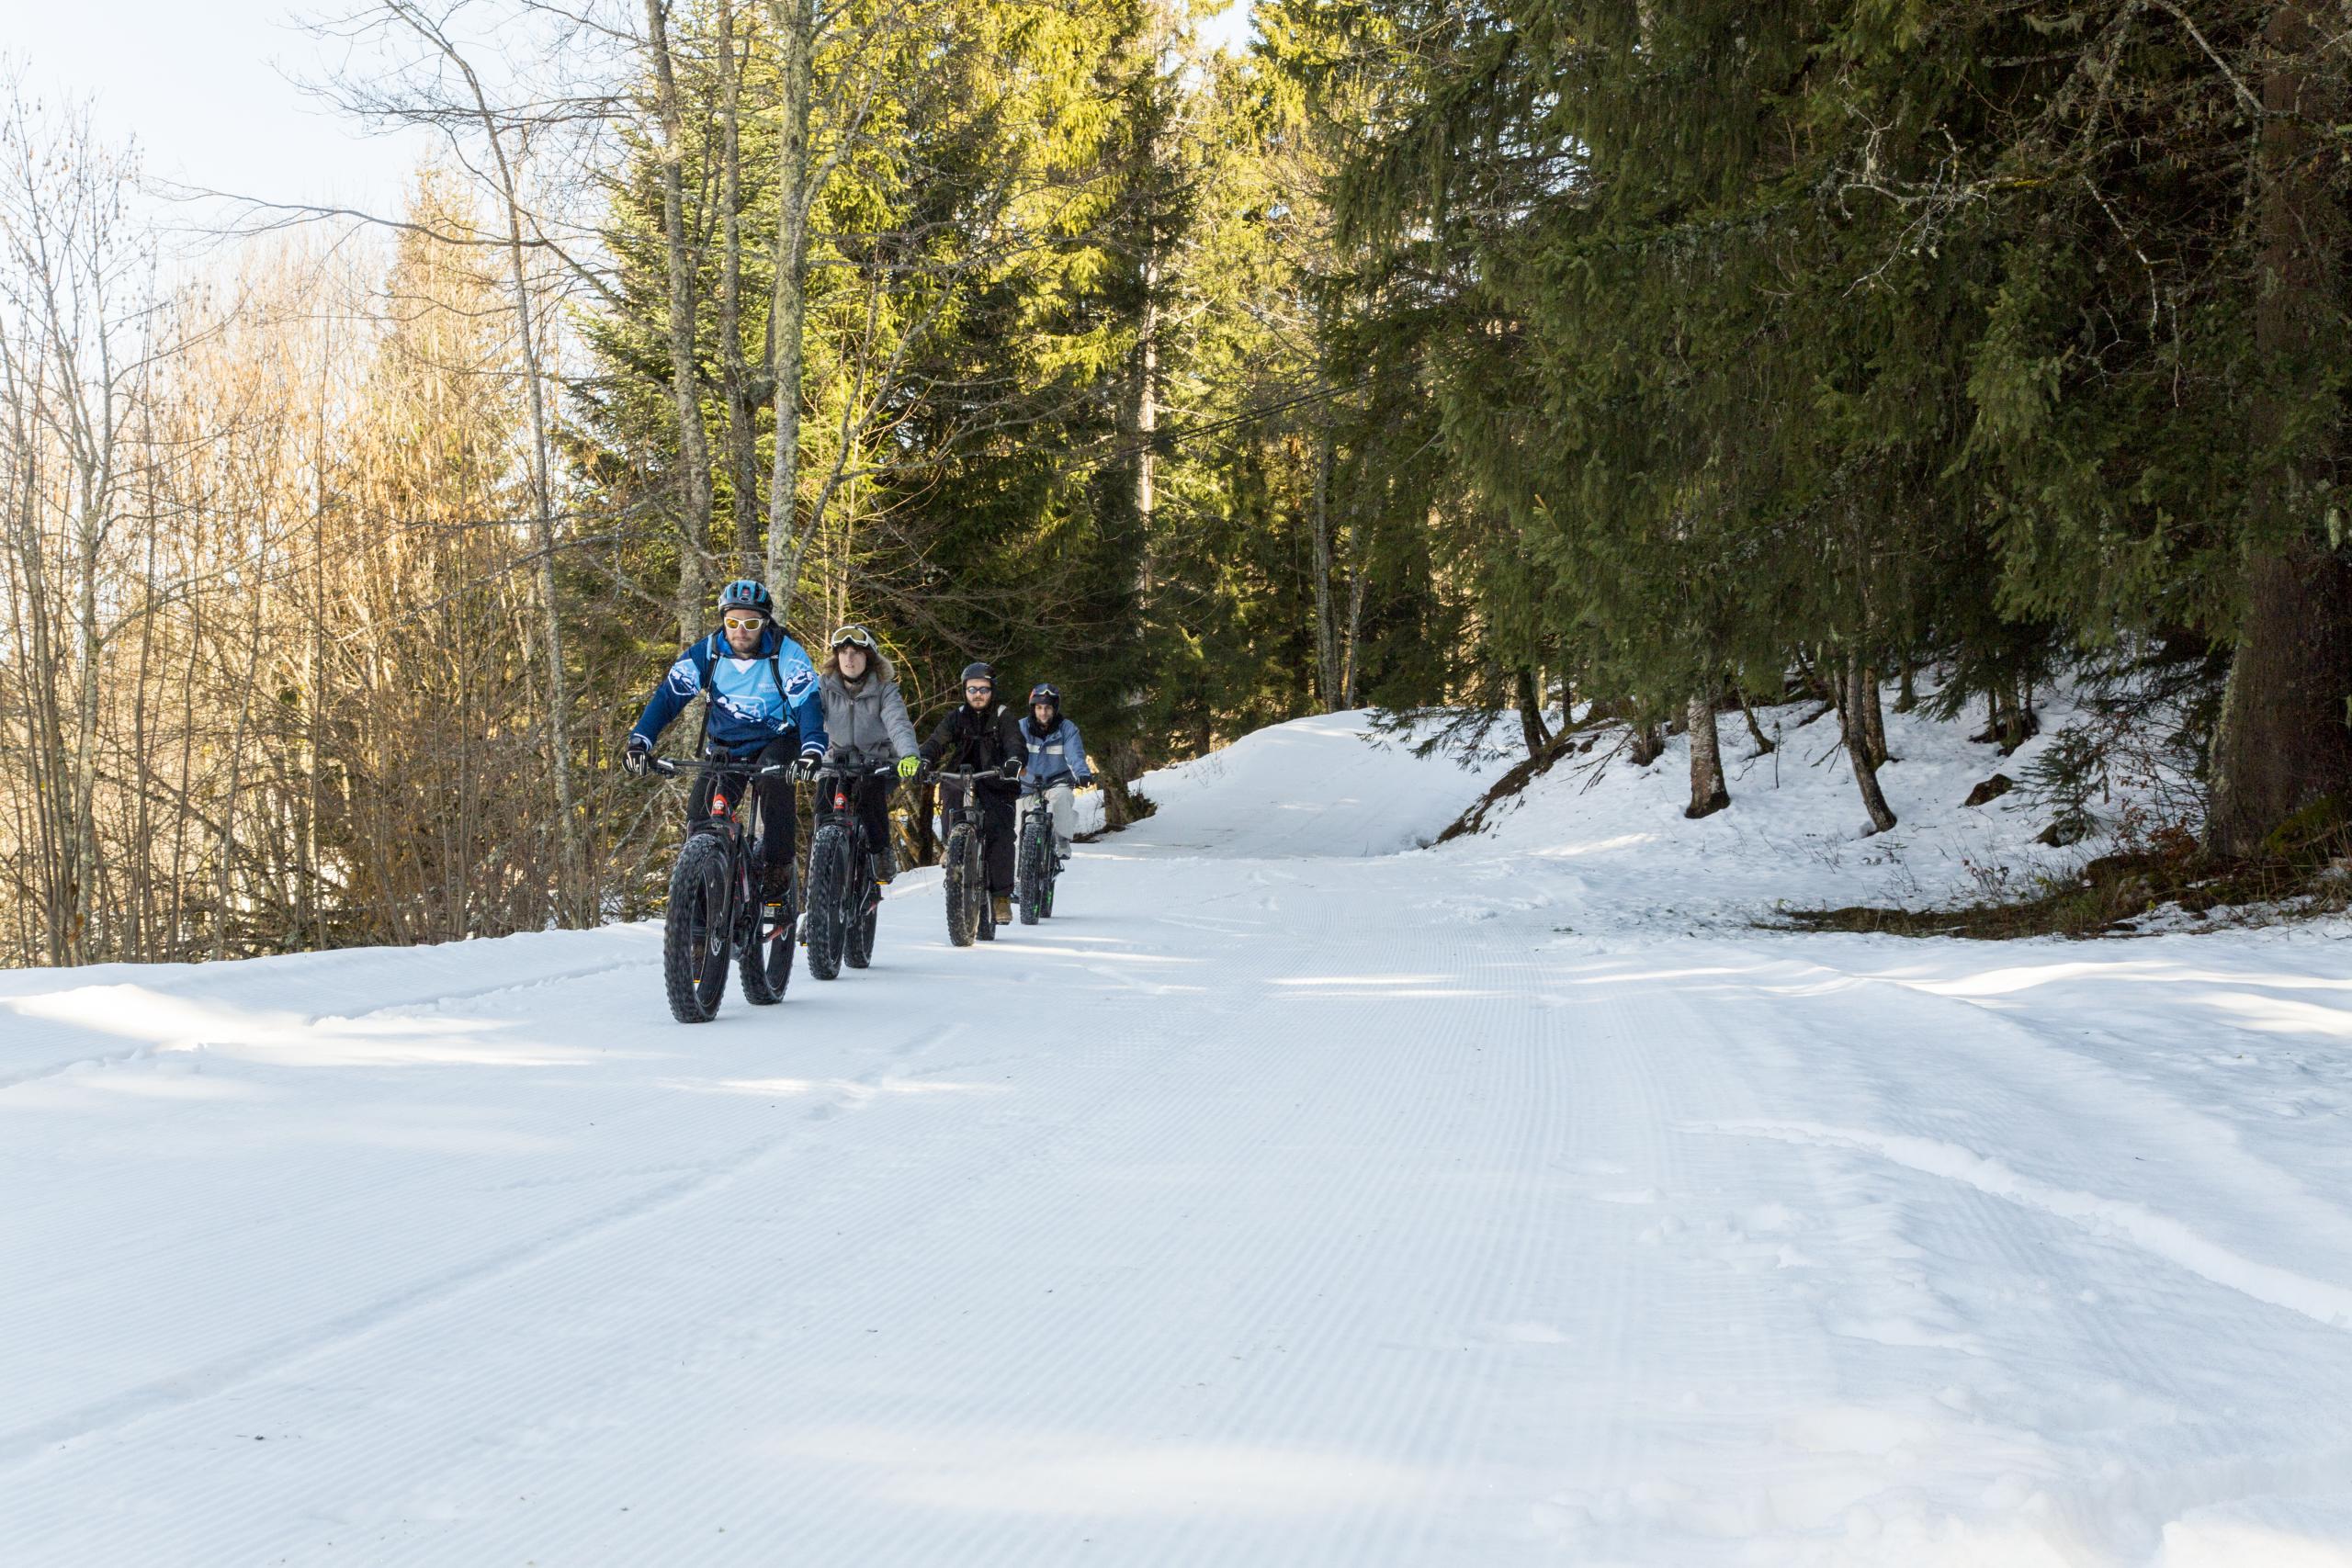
x: 1061, y: 799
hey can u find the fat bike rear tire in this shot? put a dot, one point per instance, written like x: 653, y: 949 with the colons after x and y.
x: 765, y: 968
x: 865, y: 909
x: 695, y: 932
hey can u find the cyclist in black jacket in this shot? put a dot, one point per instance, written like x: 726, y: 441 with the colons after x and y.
x: 981, y: 734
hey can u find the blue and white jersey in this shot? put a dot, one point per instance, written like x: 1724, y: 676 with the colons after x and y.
x: 753, y: 701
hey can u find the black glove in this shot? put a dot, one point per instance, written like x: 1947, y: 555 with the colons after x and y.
x: 1011, y: 767
x: 638, y: 757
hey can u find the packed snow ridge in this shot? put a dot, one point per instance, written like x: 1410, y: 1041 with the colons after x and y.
x: 1296, y: 1195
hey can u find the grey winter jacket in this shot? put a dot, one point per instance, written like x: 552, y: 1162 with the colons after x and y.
x: 866, y: 723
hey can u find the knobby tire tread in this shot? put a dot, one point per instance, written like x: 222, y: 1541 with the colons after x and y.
x: 697, y: 901
x: 1036, y: 878
x: 857, y: 951
x: 765, y: 968
x: 965, y: 894
x: 828, y: 869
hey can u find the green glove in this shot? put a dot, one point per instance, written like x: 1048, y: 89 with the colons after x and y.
x: 910, y: 766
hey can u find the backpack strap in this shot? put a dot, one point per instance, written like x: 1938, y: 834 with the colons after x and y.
x: 705, y: 662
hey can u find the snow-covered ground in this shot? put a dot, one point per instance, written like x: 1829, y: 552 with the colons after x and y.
x: 1293, y: 1197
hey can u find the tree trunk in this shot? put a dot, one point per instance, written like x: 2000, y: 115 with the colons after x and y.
x: 796, y: 27
x: 1755, y: 731
x: 574, y: 899
x: 1873, y: 721
x: 1858, y: 749
x: 1707, y: 795
x: 1147, y: 410
x: 743, y: 441
x: 82, y: 828
x: 1327, y: 639
x: 2281, y: 747
x: 685, y: 392
x: 1644, y: 743
x: 1531, y: 728
x: 1348, y: 661
x: 225, y: 885
x: 2013, y: 723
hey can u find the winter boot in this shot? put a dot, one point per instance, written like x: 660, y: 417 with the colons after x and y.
x: 1004, y: 902
x: 886, y: 862
x: 775, y: 883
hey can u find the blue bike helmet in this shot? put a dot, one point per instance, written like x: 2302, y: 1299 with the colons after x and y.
x: 1044, y: 692
x: 745, y: 594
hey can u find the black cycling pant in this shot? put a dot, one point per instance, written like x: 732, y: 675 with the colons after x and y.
x: 872, y: 799
x: 778, y: 820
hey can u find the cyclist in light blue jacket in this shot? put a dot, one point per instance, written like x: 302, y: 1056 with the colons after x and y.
x: 1056, y: 763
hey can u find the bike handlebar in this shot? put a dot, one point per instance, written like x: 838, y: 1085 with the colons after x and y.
x: 669, y: 767
x: 860, y: 769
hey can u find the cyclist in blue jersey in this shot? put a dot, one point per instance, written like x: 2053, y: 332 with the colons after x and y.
x: 762, y: 707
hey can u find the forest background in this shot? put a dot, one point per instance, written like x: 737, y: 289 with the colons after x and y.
x: 1635, y: 362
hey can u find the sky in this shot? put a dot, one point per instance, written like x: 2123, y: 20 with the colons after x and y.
x: 204, y: 87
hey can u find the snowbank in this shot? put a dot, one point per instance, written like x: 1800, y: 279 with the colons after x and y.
x: 1324, y: 787
x: 1611, y: 838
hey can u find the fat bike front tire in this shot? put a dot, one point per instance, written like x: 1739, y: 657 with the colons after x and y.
x: 965, y: 896
x: 1035, y: 882
x: 828, y: 903
x: 695, y: 931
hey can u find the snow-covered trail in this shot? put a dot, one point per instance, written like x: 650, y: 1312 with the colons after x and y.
x: 1286, y: 1200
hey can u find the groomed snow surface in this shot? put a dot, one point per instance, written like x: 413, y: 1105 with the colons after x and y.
x: 1296, y: 1195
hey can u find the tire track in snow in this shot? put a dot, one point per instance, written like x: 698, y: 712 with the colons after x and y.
x: 122, y: 1259
x: 2156, y: 1234
x: 1476, y: 1236
x: 918, y: 1204
x: 28, y: 1443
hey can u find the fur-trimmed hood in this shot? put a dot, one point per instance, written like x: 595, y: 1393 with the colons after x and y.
x: 877, y: 663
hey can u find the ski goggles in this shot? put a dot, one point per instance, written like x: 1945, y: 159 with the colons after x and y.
x: 852, y: 636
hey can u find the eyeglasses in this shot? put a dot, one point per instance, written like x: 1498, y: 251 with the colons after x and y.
x: 979, y: 686
x: 852, y: 636
x: 743, y: 623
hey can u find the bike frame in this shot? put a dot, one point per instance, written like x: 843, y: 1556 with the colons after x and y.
x: 736, y: 820
x: 967, y: 809
x: 835, y: 803
x: 964, y: 813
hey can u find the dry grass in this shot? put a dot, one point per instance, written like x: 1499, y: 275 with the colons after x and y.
x: 2306, y: 874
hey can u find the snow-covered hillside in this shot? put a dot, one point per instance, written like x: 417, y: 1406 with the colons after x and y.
x: 1612, y: 839
x: 1293, y: 1197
